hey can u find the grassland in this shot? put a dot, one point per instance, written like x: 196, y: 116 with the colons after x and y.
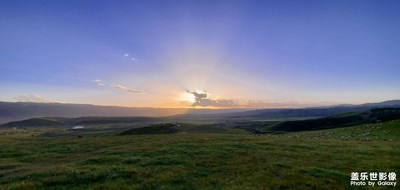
x: 377, y: 115
x: 299, y: 160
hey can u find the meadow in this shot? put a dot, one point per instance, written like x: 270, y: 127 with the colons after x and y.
x: 197, y: 160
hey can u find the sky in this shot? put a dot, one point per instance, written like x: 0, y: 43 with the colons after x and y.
x: 200, y: 54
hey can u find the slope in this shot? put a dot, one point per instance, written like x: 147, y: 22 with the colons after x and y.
x: 348, y: 119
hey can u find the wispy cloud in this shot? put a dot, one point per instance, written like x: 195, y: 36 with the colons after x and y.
x: 124, y: 88
x: 32, y: 98
x: 99, y: 82
x: 134, y: 59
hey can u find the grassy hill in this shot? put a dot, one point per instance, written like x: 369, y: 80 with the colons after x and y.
x: 172, y: 155
x: 295, y: 160
x: 312, y: 112
x: 165, y: 128
x: 183, y: 128
x: 343, y: 120
x: 384, y: 131
x: 34, y: 122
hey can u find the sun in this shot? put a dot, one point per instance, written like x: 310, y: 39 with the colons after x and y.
x: 187, y: 97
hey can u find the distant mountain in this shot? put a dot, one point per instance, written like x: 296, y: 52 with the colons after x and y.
x: 13, y: 111
x: 70, y: 122
x: 307, y: 113
x: 389, y: 103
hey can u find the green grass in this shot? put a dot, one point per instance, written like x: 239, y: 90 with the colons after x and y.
x: 386, y: 131
x: 164, y: 128
x: 302, y: 160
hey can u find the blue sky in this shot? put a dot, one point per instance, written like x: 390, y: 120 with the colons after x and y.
x: 238, y: 53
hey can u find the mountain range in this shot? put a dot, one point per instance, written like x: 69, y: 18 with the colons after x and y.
x: 13, y: 111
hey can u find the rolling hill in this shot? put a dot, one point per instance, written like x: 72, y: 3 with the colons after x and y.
x: 14, y: 111
x: 69, y: 122
x: 313, y: 112
x: 349, y: 119
x: 183, y: 128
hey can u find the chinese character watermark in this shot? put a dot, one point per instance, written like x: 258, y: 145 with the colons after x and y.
x: 373, y: 178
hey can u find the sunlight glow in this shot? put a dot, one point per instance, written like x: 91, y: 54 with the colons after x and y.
x: 187, y: 97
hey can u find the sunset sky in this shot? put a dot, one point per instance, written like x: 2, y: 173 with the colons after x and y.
x: 221, y: 54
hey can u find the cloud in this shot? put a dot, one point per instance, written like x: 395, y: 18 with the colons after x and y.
x: 98, y: 82
x: 134, y: 59
x: 198, y: 95
x: 32, y: 98
x: 124, y: 88
x: 202, y: 99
